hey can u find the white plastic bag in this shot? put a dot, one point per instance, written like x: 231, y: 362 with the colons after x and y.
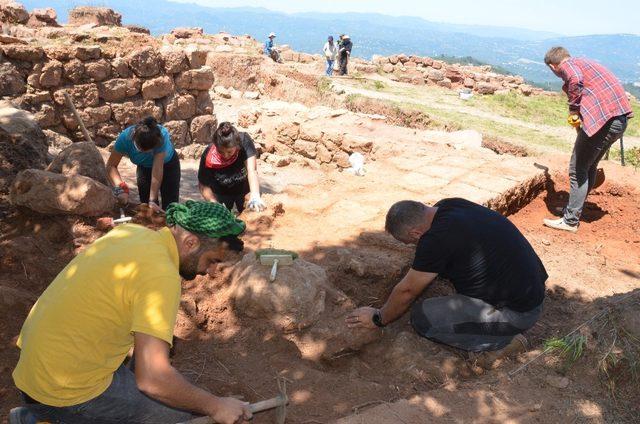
x: 356, y: 160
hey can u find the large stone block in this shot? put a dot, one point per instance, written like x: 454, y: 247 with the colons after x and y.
x: 174, y: 60
x: 179, y: 107
x: 50, y: 193
x: 486, y: 88
x: 306, y: 148
x: 24, y: 53
x: 331, y: 338
x: 179, y: 132
x: 145, y: 62
x: 435, y: 75
x: 157, y: 88
x: 98, y: 70
x: 80, y: 159
x: 13, y: 12
x: 204, y: 104
x: 43, y: 17
x: 202, y: 129
x: 187, y: 32
x: 12, y: 82
x: 295, y: 300
x: 82, y: 95
x: 118, y: 89
x: 51, y: 74
x: 22, y: 144
x: 46, y: 116
x: 129, y: 113
x: 195, y: 79
x: 311, y: 131
x: 89, y: 52
x: 354, y: 143
x: 324, y: 155
x: 61, y: 53
x: 74, y: 71
x: 196, y: 56
x: 120, y: 68
x: 98, y: 16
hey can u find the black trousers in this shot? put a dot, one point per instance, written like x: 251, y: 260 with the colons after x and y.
x: 344, y: 61
x: 231, y: 199
x: 170, y: 186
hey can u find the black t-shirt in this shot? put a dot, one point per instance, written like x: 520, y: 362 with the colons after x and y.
x: 231, y: 180
x: 483, y: 254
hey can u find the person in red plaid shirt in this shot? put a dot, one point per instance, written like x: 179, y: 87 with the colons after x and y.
x: 598, y: 109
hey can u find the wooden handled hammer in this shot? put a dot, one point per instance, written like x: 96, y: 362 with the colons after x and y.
x: 279, y: 403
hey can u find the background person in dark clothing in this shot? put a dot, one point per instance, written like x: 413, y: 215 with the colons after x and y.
x: 228, y: 170
x: 344, y: 53
x: 148, y: 145
x: 598, y: 110
x: 499, y: 279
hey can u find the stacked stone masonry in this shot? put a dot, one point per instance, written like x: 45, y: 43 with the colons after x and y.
x: 320, y: 145
x: 110, y: 92
x: 427, y: 71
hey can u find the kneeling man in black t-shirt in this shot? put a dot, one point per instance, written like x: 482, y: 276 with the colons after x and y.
x: 498, y: 277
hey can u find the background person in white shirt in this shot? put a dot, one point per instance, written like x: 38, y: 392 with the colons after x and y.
x: 330, y: 52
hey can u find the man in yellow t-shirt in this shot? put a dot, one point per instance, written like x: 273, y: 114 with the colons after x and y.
x: 123, y: 291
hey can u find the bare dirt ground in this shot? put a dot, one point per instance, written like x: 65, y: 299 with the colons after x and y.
x: 233, y: 355
x: 335, y: 219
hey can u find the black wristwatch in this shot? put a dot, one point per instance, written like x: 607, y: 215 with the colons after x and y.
x: 377, y: 318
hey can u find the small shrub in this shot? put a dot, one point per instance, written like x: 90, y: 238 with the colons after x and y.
x: 379, y: 85
x: 324, y: 85
x: 632, y: 157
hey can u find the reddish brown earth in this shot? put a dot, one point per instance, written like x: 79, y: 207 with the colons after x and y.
x: 229, y: 354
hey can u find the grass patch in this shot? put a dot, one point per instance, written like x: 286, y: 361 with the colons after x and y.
x: 518, y: 135
x: 570, y: 348
x: 546, y: 110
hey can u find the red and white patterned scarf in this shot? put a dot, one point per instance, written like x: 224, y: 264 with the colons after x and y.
x: 215, y: 160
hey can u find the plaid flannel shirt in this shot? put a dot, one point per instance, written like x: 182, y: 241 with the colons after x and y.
x: 594, y: 93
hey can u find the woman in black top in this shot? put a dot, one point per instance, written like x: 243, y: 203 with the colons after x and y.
x: 228, y: 170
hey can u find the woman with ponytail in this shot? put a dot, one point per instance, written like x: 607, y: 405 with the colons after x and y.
x: 148, y: 145
x: 228, y: 170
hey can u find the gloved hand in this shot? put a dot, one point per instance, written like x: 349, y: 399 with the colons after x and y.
x: 574, y: 121
x: 256, y: 204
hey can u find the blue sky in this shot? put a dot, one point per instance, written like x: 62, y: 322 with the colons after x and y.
x: 569, y: 17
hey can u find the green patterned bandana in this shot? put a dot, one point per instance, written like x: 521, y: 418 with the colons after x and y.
x: 207, y: 218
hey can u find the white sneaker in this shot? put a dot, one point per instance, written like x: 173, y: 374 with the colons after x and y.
x: 559, y: 224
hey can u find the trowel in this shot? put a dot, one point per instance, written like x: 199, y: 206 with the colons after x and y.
x: 275, y: 258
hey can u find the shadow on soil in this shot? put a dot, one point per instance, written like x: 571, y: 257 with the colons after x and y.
x: 230, y: 354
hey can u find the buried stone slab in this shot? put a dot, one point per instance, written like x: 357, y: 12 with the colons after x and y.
x: 50, y: 193
x: 295, y: 300
x: 331, y: 338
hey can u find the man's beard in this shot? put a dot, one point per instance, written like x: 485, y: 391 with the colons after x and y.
x: 189, y: 266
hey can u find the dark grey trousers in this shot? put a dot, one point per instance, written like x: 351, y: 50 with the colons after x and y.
x: 122, y: 402
x: 587, y: 152
x: 468, y: 323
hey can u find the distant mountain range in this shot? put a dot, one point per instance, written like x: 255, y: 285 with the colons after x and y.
x: 519, y: 51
